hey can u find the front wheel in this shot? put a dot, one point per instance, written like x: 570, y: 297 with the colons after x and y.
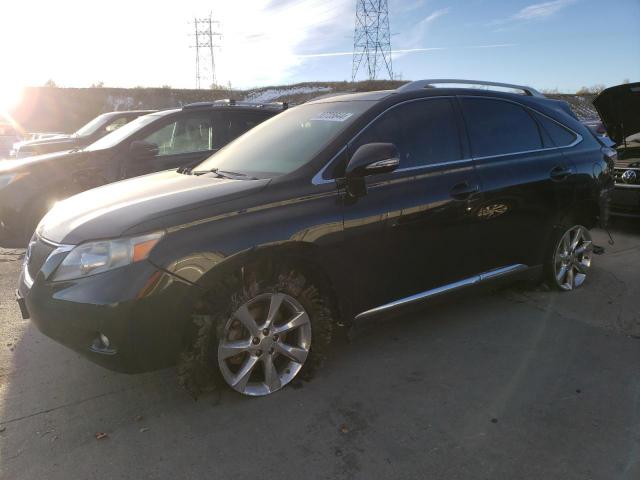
x: 570, y: 259
x: 257, y: 336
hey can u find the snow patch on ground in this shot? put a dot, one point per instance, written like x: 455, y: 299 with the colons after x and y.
x: 272, y: 94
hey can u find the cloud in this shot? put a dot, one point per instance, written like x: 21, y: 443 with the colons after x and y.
x: 536, y: 11
x: 403, y: 51
x: 415, y: 36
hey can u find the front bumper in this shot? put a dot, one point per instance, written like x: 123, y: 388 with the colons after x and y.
x: 625, y: 201
x: 142, y: 310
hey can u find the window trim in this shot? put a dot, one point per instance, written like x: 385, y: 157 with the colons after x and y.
x: 319, y: 180
x: 529, y: 109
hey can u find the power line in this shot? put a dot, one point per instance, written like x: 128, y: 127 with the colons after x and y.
x: 204, y: 34
x: 372, y: 39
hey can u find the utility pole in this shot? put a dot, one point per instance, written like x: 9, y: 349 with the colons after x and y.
x: 204, y: 34
x: 372, y: 39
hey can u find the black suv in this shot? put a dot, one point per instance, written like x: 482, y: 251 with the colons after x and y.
x: 91, y: 132
x: 150, y: 143
x: 341, y: 208
x: 619, y: 108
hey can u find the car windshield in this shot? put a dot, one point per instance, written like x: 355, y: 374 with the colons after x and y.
x: 93, y: 125
x: 287, y: 141
x: 115, y: 137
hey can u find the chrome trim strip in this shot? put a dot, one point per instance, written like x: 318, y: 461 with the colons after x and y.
x: 26, y: 277
x: 434, y: 292
x: 434, y: 165
x: 54, y: 244
x: 626, y: 185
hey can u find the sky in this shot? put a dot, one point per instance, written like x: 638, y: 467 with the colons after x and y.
x: 561, y: 44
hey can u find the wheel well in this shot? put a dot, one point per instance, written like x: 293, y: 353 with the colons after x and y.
x: 263, y: 262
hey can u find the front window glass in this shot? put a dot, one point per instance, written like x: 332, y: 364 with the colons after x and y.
x: 425, y: 132
x: 114, y: 138
x: 287, y: 141
x: 92, y: 126
x: 116, y: 124
x: 185, y: 135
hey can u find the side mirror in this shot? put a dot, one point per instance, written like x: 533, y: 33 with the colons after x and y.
x: 141, y: 150
x: 372, y: 159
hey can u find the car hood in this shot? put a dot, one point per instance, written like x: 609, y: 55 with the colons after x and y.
x: 619, y: 109
x: 47, y: 141
x: 29, y: 163
x: 113, y: 210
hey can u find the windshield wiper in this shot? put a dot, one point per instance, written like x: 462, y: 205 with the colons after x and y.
x: 225, y: 174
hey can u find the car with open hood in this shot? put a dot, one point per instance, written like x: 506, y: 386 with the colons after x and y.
x: 158, y: 141
x: 94, y: 130
x: 348, y: 208
x: 619, y: 109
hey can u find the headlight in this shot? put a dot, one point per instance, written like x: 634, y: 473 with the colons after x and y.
x: 10, y: 178
x: 96, y: 257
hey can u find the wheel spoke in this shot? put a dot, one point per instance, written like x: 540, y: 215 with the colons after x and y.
x: 274, y: 306
x: 561, y: 274
x: 576, y: 240
x: 271, y: 376
x: 570, y: 278
x: 581, y: 268
x: 300, y: 319
x: 296, y: 354
x: 230, y: 349
x: 586, y: 246
x: 241, y: 379
x: 247, y: 319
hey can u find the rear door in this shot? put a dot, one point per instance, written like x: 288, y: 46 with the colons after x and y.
x: 411, y: 231
x: 526, y: 181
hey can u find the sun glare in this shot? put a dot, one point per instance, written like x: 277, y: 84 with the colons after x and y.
x: 10, y: 96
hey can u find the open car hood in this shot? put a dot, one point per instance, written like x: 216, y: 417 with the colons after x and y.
x: 619, y: 109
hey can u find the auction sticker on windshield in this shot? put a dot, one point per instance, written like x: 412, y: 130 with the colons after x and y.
x: 332, y: 116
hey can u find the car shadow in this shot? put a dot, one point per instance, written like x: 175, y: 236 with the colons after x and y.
x: 441, y: 389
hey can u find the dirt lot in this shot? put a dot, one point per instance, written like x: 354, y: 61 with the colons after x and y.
x: 515, y: 384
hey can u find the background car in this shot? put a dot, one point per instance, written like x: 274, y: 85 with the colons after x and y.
x: 94, y: 130
x: 158, y: 141
x: 619, y: 108
x: 351, y: 206
x: 8, y: 136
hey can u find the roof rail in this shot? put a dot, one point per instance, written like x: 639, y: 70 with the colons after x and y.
x: 232, y: 103
x: 420, y: 84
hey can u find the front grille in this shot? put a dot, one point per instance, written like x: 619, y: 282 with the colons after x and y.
x: 37, y: 254
x: 621, y: 176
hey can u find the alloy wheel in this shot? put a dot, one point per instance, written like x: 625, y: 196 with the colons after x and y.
x: 572, y: 258
x: 264, y: 344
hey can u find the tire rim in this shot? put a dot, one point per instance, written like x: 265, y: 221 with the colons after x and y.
x: 264, y: 344
x: 573, y: 258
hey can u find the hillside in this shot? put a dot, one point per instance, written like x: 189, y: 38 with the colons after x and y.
x: 67, y: 109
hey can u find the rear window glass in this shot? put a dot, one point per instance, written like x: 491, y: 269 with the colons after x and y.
x: 498, y: 127
x: 560, y: 136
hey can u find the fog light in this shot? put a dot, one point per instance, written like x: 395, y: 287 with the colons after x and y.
x: 102, y: 344
x: 104, y: 340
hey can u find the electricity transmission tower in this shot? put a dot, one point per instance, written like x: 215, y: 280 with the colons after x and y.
x: 372, y: 39
x: 204, y: 34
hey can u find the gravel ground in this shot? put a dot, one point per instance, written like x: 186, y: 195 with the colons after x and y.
x: 518, y: 383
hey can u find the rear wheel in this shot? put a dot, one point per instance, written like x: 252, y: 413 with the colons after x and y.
x: 570, y: 259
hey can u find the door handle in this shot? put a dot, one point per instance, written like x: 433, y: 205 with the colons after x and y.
x: 560, y: 173
x: 463, y: 190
